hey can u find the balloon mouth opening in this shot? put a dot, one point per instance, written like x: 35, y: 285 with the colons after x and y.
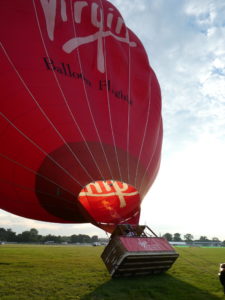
x: 110, y: 202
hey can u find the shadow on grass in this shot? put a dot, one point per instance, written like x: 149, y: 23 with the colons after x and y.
x: 161, y: 287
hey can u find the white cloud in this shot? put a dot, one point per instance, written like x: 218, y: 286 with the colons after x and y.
x: 188, y: 196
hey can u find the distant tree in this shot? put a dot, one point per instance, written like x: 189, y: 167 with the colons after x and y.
x: 81, y: 238
x: 52, y: 238
x: 11, y: 235
x: 84, y: 238
x: 203, y: 239
x: 34, y: 235
x: 65, y: 239
x: 24, y: 237
x: 7, y: 235
x: 177, y: 237
x: 168, y: 236
x: 188, y: 238
x: 94, y: 239
x: 28, y: 236
x: 3, y: 234
x: 74, y: 238
x: 215, y: 239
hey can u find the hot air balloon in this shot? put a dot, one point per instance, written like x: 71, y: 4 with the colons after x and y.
x: 80, y: 114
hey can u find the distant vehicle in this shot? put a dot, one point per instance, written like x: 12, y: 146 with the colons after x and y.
x: 104, y: 243
x: 96, y: 244
x: 49, y: 242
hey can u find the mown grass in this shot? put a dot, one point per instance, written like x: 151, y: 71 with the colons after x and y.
x: 77, y: 272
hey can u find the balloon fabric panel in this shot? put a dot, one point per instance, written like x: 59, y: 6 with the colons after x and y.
x: 80, y: 113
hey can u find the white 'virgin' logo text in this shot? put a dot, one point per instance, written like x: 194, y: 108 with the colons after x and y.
x: 49, y: 8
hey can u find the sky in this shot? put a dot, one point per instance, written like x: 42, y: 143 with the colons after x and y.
x: 185, y: 42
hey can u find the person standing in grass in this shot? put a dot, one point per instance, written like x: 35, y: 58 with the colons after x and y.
x: 222, y: 275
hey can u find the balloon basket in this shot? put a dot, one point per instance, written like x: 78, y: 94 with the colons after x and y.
x: 136, y: 250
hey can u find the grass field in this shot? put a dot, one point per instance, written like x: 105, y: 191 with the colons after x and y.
x: 77, y: 272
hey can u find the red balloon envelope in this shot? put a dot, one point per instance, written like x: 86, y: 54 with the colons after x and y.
x: 80, y: 124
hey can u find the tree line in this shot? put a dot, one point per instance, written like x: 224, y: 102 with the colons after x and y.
x: 33, y: 236
x: 176, y: 237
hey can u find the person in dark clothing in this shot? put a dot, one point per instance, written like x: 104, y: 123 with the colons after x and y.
x: 222, y: 275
